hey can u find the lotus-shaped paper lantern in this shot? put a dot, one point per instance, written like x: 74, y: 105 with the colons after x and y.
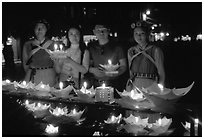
x: 7, y: 85
x: 136, y: 120
x: 133, y: 94
x: 167, y: 93
x: 36, y: 106
x: 59, y: 111
x: 110, y: 67
x: 160, y: 126
x: 75, y: 114
x: 113, y: 119
x: 58, y: 54
x: 50, y: 129
x: 62, y: 93
x: 90, y: 92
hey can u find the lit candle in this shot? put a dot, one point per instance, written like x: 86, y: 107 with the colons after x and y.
x: 74, y: 111
x: 161, y: 87
x: 196, y: 126
x: 103, y: 85
x: 85, y: 86
x: 55, y: 47
x: 86, y: 42
x: 160, y: 121
x: 61, y: 85
x: 112, y: 118
x: 39, y: 104
x: 109, y: 62
x: 8, y: 81
x: 26, y: 102
x: 42, y: 86
x: 61, y: 47
x: 136, y: 119
x: 24, y: 82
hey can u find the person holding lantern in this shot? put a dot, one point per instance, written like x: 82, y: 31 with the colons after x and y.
x: 36, y: 59
x: 106, y: 51
x: 76, y: 64
x: 145, y: 60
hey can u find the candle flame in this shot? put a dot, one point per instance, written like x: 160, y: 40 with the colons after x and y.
x: 112, y: 118
x: 160, y: 121
x: 55, y: 46
x: 136, y: 119
x: 8, y: 81
x: 103, y: 85
x: 196, y: 120
x: 85, y: 85
x: 161, y: 87
x: 61, y: 46
x: 109, y: 62
x: 24, y: 82
x: 74, y: 111
x: 61, y: 85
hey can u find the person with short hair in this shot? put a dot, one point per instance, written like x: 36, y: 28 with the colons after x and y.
x: 101, y: 51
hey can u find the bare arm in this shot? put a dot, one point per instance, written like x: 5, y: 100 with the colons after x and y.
x: 159, y: 60
x: 25, y: 56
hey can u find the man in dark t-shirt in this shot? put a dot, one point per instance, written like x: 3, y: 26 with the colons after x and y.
x: 100, y: 52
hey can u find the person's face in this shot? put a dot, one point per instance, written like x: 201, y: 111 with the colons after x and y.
x: 74, y: 36
x: 40, y: 30
x: 140, y: 35
x: 101, y: 32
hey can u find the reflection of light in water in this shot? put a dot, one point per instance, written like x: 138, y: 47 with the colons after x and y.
x: 50, y: 129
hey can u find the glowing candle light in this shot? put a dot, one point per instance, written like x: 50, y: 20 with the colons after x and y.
x: 61, y: 46
x: 196, y: 126
x: 109, y: 62
x: 160, y: 121
x: 85, y: 86
x: 55, y: 47
x: 61, y: 85
x: 103, y: 85
x: 42, y: 86
x: 161, y: 87
x: 74, y: 111
x: 26, y: 102
x: 8, y: 81
x: 112, y: 118
x: 24, y: 82
x: 39, y: 104
x: 136, y: 119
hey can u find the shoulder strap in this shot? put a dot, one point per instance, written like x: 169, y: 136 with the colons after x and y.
x: 81, y: 62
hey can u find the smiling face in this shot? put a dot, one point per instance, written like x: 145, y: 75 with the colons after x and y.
x: 140, y: 36
x: 40, y: 31
x: 74, y: 36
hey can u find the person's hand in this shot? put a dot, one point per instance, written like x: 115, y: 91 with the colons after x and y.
x: 111, y: 74
x: 98, y: 72
x: 68, y: 60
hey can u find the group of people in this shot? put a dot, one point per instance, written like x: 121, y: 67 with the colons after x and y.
x: 144, y: 61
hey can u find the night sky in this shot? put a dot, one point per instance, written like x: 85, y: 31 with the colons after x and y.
x: 180, y: 18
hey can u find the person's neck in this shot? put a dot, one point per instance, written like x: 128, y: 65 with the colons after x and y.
x: 41, y: 40
x: 74, y: 47
x: 104, y: 41
x: 143, y: 45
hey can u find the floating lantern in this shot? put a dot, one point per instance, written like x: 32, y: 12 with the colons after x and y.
x: 50, y: 129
